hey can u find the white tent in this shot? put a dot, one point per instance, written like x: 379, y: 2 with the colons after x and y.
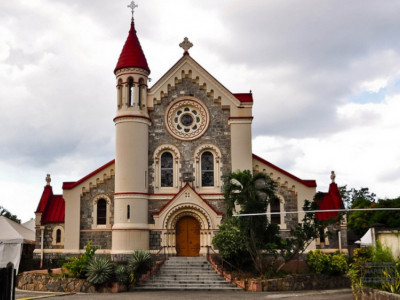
x: 366, y: 239
x: 12, y: 237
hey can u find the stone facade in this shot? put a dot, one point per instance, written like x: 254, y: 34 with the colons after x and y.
x: 100, y: 238
x: 155, y: 240
x: 218, y: 132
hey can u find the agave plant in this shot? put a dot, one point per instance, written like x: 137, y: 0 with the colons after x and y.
x: 140, y: 262
x: 122, y: 274
x: 99, y: 270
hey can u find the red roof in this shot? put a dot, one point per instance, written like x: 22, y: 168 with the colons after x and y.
x: 52, y: 207
x: 70, y: 185
x: 309, y: 183
x: 132, y: 54
x: 331, y: 200
x: 244, y: 97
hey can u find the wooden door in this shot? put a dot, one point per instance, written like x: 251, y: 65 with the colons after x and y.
x: 187, y: 237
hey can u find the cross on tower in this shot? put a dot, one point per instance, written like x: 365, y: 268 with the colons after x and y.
x: 186, y: 45
x: 132, y: 6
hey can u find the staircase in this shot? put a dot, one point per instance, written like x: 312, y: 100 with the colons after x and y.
x: 187, y: 273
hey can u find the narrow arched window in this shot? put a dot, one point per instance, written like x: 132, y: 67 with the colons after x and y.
x: 207, y: 169
x: 119, y: 93
x: 128, y: 212
x: 130, y: 92
x: 167, y: 171
x: 58, y: 236
x: 276, y: 208
x: 141, y: 86
x: 101, y: 212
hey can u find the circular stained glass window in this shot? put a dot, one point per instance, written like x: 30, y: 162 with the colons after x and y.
x: 187, y: 119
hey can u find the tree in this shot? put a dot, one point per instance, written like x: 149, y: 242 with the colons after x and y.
x: 252, y: 234
x: 303, y: 234
x: 255, y: 236
x: 5, y: 213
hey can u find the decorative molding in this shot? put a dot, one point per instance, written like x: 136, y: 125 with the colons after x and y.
x: 187, y: 118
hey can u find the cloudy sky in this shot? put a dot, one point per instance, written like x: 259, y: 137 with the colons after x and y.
x: 325, y: 76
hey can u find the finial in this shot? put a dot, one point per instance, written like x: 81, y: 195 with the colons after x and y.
x: 333, y: 176
x: 132, y: 6
x: 186, y: 45
x: 48, y: 179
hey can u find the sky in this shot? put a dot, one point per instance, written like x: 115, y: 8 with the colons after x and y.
x: 325, y: 77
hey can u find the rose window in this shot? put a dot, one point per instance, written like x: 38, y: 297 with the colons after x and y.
x: 187, y: 119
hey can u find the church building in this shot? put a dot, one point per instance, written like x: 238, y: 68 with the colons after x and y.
x: 175, y: 143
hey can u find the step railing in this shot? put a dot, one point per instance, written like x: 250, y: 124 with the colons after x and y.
x: 162, y: 256
x: 223, y: 266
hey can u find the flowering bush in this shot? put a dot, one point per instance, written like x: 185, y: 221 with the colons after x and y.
x: 76, y: 266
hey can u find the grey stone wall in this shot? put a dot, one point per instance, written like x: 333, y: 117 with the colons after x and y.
x: 218, y: 204
x: 155, y: 206
x: 218, y: 132
x: 100, y: 239
x: 155, y: 240
x: 48, y: 237
x: 290, y: 204
x: 107, y: 188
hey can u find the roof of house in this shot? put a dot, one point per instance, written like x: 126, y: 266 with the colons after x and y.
x: 132, y: 55
x: 308, y: 183
x: 52, y: 207
x: 72, y: 184
x: 244, y: 97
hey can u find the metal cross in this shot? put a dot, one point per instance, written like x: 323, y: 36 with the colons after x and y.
x: 132, y: 6
x: 186, y: 45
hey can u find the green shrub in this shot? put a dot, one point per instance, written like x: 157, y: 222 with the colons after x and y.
x: 99, y: 270
x: 76, y: 266
x: 140, y: 262
x: 332, y: 264
x: 122, y: 274
x: 316, y: 260
x: 381, y: 253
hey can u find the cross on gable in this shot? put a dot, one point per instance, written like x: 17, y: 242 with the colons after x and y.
x: 132, y: 6
x: 186, y: 45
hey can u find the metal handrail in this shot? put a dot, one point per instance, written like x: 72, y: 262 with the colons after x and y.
x: 223, y: 261
x: 158, y: 254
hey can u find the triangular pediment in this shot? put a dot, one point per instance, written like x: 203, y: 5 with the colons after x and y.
x: 188, y: 67
x: 187, y: 200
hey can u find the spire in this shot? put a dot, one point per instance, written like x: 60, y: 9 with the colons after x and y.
x: 132, y: 55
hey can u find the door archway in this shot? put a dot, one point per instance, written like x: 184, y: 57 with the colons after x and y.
x: 187, y: 237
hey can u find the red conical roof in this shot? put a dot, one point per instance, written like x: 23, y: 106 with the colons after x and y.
x: 132, y: 54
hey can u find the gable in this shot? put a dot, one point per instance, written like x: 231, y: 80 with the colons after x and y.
x: 187, y: 67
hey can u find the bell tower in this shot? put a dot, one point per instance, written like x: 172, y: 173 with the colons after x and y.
x: 130, y: 229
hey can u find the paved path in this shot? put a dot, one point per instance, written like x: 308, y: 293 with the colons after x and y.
x: 342, y: 294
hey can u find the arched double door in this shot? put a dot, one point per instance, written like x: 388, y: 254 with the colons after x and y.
x: 187, y: 237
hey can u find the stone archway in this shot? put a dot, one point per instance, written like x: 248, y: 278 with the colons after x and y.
x: 187, y: 237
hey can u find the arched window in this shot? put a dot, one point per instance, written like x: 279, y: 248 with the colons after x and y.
x: 101, y: 212
x: 128, y: 212
x: 141, y: 87
x: 58, y: 236
x: 167, y: 169
x: 130, y: 92
x: 275, y: 208
x: 207, y: 169
x: 119, y: 93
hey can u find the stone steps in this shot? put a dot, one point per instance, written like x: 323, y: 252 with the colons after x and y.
x: 187, y: 273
